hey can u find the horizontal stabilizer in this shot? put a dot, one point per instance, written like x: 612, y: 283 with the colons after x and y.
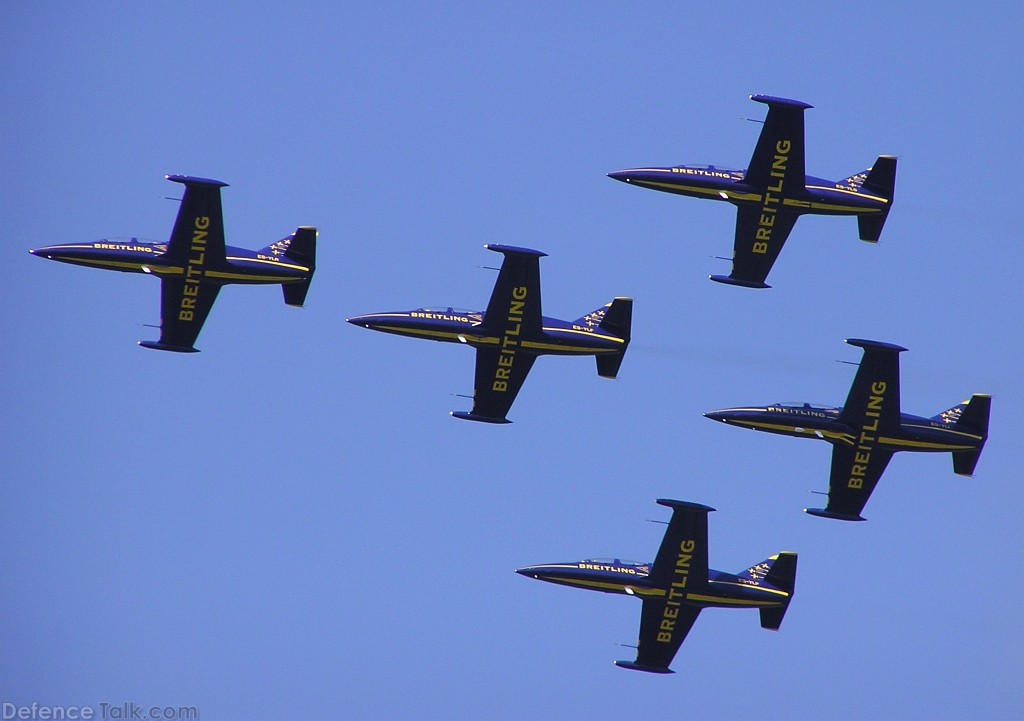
x: 822, y: 513
x: 964, y: 462
x: 869, y: 227
x: 157, y: 345
x: 632, y: 665
x: 295, y: 293
x: 474, y: 417
x: 771, y: 618
x: 728, y: 280
x: 608, y: 364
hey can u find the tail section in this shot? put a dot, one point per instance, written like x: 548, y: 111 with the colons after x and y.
x: 615, y: 318
x: 777, y: 572
x: 298, y: 248
x: 969, y: 418
x: 881, y: 181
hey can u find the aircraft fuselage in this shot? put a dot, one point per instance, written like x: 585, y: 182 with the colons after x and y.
x: 557, y: 337
x: 722, y: 590
x: 809, y: 421
x: 131, y: 255
x: 818, y: 196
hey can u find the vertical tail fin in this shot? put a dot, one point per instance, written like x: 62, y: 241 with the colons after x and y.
x: 615, y: 318
x: 881, y: 181
x: 779, y: 572
x: 971, y: 419
x: 298, y: 248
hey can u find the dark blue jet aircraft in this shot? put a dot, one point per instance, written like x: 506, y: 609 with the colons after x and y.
x: 195, y: 263
x: 869, y: 428
x: 679, y: 584
x: 511, y: 333
x: 774, y: 191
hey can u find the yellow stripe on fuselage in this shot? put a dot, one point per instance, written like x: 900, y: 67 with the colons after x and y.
x: 433, y: 334
x: 729, y: 601
x: 924, y: 445
x: 854, y: 193
x: 275, y: 263
x: 603, y: 585
x: 698, y: 190
x: 845, y: 437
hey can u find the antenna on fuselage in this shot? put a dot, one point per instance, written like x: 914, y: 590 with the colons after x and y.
x: 627, y: 645
x: 849, y: 363
x: 651, y: 520
x: 487, y: 267
x: 462, y: 395
x: 754, y: 120
x: 819, y: 493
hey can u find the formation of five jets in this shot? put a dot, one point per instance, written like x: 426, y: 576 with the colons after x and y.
x: 512, y: 332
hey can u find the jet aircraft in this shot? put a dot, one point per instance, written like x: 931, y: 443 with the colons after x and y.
x: 869, y: 428
x: 774, y: 191
x: 194, y: 264
x: 679, y: 584
x: 511, y: 333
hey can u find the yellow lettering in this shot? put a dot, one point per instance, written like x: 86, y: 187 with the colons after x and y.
x: 519, y: 293
x: 687, y: 546
x: 202, y: 223
x: 664, y: 637
x: 506, y: 360
x: 192, y: 289
x: 188, y: 303
x: 764, y: 234
x: 783, y: 147
x: 185, y: 315
x: 502, y: 374
x: 855, y: 483
x: 760, y: 248
x: 499, y: 386
x: 878, y: 387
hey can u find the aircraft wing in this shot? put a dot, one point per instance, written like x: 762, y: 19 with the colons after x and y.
x: 196, y: 244
x: 778, y: 159
x: 681, y: 564
x: 514, y: 307
x: 874, y: 400
x: 499, y: 376
x: 184, y: 306
x: 757, y: 245
x: 198, y: 233
x: 854, y: 476
x: 685, y: 542
x: 658, y: 646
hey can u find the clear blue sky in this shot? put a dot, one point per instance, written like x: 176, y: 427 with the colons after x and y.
x: 289, y: 525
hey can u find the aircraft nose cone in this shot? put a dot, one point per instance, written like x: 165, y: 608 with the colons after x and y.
x: 623, y: 175
x: 720, y: 416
